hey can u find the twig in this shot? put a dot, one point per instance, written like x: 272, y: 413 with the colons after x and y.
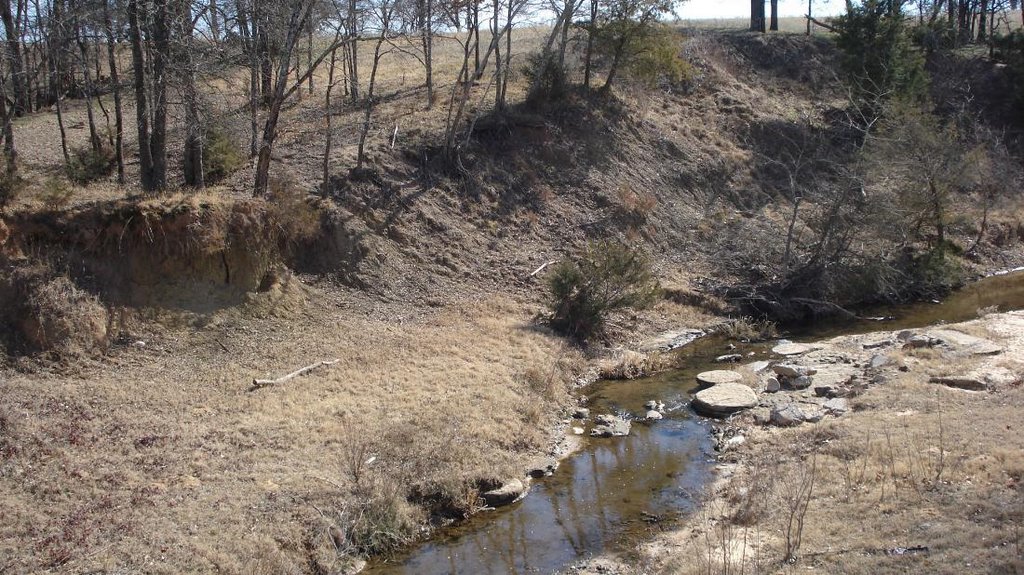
x: 541, y: 268
x: 394, y: 136
x: 258, y: 383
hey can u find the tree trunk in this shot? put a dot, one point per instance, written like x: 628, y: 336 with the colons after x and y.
x: 496, y: 43
x: 14, y: 57
x: 475, y: 32
x: 324, y: 186
x: 192, y: 153
x: 10, y: 152
x: 161, y: 35
x: 215, y: 21
x: 361, y: 155
x: 757, y: 23
x: 774, y: 26
x: 141, y: 105
x: 426, y: 9
x: 89, y: 90
x: 297, y: 21
x: 353, y: 63
x: 116, y: 84
x: 809, y: 16
x: 591, y: 31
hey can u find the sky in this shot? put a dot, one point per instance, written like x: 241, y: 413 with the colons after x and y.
x: 701, y: 9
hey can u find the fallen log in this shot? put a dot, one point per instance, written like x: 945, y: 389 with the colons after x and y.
x: 828, y: 27
x: 260, y: 383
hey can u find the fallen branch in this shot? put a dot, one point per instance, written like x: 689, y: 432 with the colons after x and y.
x: 828, y: 27
x: 259, y: 383
x: 541, y: 268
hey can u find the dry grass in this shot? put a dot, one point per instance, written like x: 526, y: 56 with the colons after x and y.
x: 161, y: 461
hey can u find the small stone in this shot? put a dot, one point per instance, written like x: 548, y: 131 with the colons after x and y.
x: 801, y: 382
x: 904, y: 335
x: 610, y: 426
x: 733, y: 442
x: 771, y: 385
x: 653, y: 415
x: 728, y: 358
x: 790, y: 370
x: 581, y: 413
x: 879, y: 360
x: 717, y: 376
x: 787, y: 415
x: 825, y: 391
x: 836, y: 406
x: 509, y: 492
x: 762, y: 415
x: 758, y: 366
x: 654, y: 405
x: 814, y: 415
x: 918, y: 341
x: 875, y: 344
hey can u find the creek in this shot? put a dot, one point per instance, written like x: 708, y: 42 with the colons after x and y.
x: 616, y: 491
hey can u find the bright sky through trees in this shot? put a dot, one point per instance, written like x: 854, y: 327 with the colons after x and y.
x: 701, y: 9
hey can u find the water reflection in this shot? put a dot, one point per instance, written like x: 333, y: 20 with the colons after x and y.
x: 595, y: 499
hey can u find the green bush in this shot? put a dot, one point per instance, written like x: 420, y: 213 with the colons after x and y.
x: 878, y: 58
x: 221, y: 156
x: 10, y: 186
x: 609, y: 277
x: 88, y: 165
x: 546, y: 77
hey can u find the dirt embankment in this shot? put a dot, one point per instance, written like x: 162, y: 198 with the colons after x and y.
x: 913, y: 465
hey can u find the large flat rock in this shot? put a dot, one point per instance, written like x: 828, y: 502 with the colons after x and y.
x: 716, y: 376
x: 724, y: 399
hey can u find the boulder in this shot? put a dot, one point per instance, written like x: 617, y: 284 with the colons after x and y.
x: 792, y: 348
x: 791, y: 370
x: 729, y: 358
x: 801, y: 382
x: 771, y: 385
x: 717, y: 376
x: 787, y: 415
x: 836, y: 406
x: 724, y: 399
x: 509, y: 492
x: 758, y: 366
x: 581, y: 413
x: 879, y: 360
x: 653, y: 415
x: 610, y: 426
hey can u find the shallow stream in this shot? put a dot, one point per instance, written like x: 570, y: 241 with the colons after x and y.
x: 616, y: 491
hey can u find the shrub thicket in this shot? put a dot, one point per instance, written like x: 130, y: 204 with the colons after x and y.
x: 221, y: 155
x: 608, y: 277
x: 546, y: 77
x: 89, y: 165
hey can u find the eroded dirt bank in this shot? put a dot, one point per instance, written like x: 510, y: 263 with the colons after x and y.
x: 908, y: 459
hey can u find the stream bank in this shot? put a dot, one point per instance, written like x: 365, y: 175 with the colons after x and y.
x: 618, y: 491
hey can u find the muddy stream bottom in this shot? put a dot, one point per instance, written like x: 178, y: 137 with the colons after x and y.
x: 615, y: 492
